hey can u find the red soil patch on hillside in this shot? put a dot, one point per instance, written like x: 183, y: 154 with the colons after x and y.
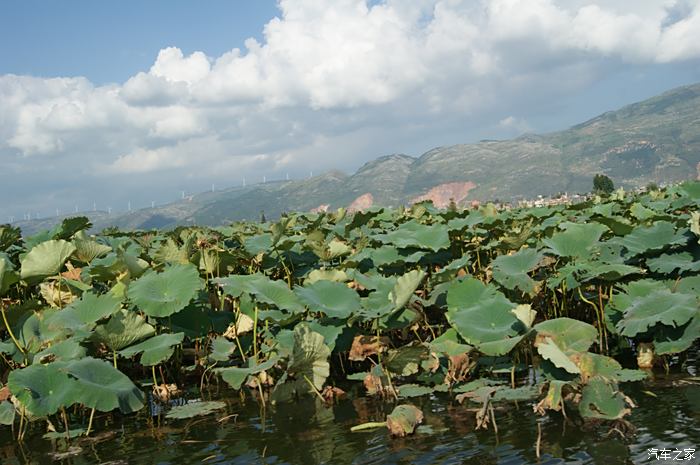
x: 442, y: 195
x: 361, y: 203
x: 321, y: 208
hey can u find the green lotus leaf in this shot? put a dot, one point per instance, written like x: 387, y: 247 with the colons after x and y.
x: 550, y: 351
x: 334, y: 299
x: 655, y: 237
x: 404, y: 288
x: 626, y: 375
x: 525, y: 314
x: 90, y: 308
x: 8, y: 276
x: 519, y: 394
x: 668, y: 263
x: 576, y: 241
x: 659, y: 306
x: 69, y: 226
x: 326, y: 275
x: 414, y: 234
x: 70, y: 349
x: 171, y: 252
x: 511, y: 271
x: 236, y: 376
x: 87, y: 250
x: 601, y: 399
x: 406, y: 360
x: 156, y: 349
x: 567, y: 333
x: 641, y: 212
x: 43, y: 389
x: 166, y: 293
x: 670, y: 340
x: 481, y: 314
x: 45, y: 259
x: 329, y: 328
x: 449, y: 343
x: 391, y: 294
x: 7, y: 413
x: 694, y: 224
x: 123, y: 329
x: 103, y: 387
x: 475, y: 385
x: 194, y: 409
x: 414, y: 390
x: 61, y: 435
x: 221, y: 349
x: 498, y: 347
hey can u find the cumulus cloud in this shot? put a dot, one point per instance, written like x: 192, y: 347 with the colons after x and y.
x: 333, y: 83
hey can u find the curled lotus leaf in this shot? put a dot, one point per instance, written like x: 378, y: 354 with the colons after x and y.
x: 166, y: 293
x: 45, y: 259
x: 103, y: 387
x: 403, y: 420
x: 236, y: 376
x: 640, y: 312
x: 550, y: 351
x: 568, y: 334
x: 123, y: 329
x: 658, y: 236
x: 8, y: 275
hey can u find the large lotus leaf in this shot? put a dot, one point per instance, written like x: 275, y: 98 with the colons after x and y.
x: 567, y: 333
x: 43, y: 389
x: 309, y: 356
x: 668, y: 263
x: 123, y: 329
x: 413, y: 234
x: 70, y: 349
x: 655, y: 237
x: 7, y: 413
x: 404, y: 288
x: 235, y: 285
x: 576, y: 241
x: 162, y: 294
x: 334, y: 299
x: 499, y: 347
x: 171, y: 252
x: 221, y: 349
x: 156, y: 349
x: 9, y: 236
x: 391, y: 294
x: 449, y: 343
x: 601, y: 399
x: 480, y: 313
x: 103, y: 387
x: 196, y: 320
x: 45, y: 259
x: 195, y: 409
x: 89, y: 309
x: 329, y: 328
x: 87, y: 250
x: 236, y: 376
x: 659, y: 306
x: 669, y: 340
x: 511, y: 271
x: 406, y: 360
x: 598, y: 365
x: 8, y: 276
x: 550, y: 351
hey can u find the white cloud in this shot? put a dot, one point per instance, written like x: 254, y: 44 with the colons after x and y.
x: 334, y: 78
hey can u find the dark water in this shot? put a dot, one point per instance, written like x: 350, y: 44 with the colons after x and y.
x: 308, y: 432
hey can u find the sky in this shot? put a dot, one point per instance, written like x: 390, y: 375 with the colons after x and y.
x: 107, y: 104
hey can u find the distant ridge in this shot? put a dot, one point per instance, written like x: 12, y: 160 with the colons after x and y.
x: 656, y: 140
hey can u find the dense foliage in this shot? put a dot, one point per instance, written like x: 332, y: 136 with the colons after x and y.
x: 408, y: 301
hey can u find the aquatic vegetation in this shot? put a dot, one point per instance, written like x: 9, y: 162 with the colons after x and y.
x: 542, y: 305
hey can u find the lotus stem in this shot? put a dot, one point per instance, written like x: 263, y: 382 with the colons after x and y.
x: 313, y: 388
x: 9, y: 331
x: 369, y: 425
x: 539, y: 440
x: 255, y: 335
x: 599, y: 318
x: 114, y: 358
x: 153, y: 372
x: 89, y: 428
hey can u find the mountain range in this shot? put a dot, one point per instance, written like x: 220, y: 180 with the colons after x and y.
x: 656, y: 140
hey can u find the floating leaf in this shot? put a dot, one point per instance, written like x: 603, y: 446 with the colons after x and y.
x: 194, y: 409
x: 601, y: 399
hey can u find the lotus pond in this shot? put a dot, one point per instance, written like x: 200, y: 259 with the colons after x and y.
x: 411, y: 335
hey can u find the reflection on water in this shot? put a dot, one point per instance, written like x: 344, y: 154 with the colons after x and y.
x: 307, y: 432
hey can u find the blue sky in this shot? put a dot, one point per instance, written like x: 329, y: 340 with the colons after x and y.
x: 112, y: 41
x: 118, y: 102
